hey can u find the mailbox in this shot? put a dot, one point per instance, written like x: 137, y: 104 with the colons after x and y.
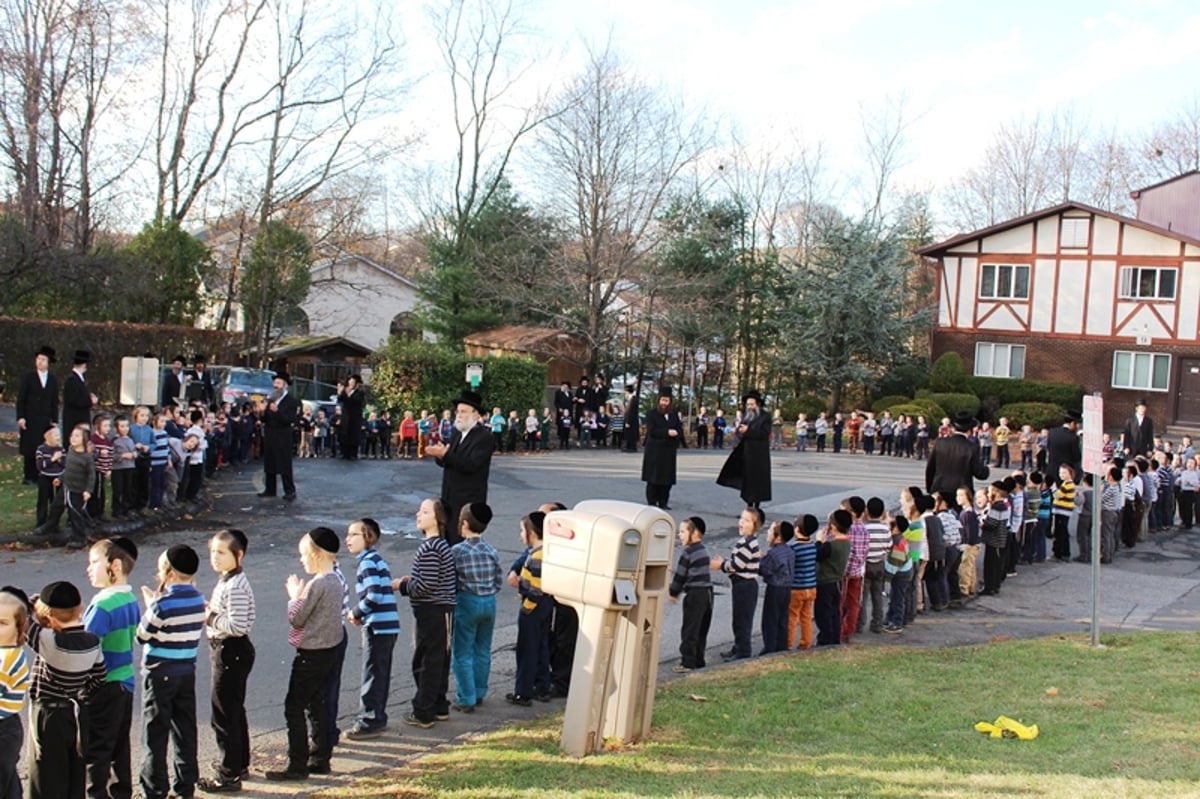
x: 611, y: 560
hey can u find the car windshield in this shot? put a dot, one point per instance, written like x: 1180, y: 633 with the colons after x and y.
x: 251, y: 378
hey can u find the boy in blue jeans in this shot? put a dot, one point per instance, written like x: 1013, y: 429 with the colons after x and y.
x: 480, y: 577
x: 375, y: 611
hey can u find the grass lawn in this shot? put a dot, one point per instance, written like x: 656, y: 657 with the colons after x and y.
x: 873, y: 722
x: 17, y: 513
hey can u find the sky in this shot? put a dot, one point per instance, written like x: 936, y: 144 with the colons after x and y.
x: 775, y: 70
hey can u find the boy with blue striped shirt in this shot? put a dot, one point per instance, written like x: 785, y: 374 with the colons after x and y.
x: 170, y: 629
x: 804, y: 581
x: 375, y: 611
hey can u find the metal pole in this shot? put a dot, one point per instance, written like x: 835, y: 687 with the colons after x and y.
x: 1097, y: 512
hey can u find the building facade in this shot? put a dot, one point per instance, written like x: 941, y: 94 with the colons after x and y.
x: 1080, y: 295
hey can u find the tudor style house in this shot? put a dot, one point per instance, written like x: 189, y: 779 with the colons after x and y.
x: 1076, y: 294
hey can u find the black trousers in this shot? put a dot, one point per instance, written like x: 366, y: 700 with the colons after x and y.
x: 993, y: 568
x: 169, y: 711
x: 332, y: 691
x: 658, y: 495
x: 50, y: 502
x: 305, y: 706
x: 776, y: 599
x: 431, y: 660
x: 109, y: 765
x: 58, y: 770
x: 1062, y: 536
x: 123, y: 491
x: 697, y: 618
x: 744, y: 595
x: 533, y: 650
x: 232, y: 660
x: 12, y: 735
x: 141, y: 482
x: 564, y: 629
x: 826, y: 615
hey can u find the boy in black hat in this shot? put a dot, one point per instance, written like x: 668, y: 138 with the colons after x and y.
x: 69, y: 666
x: 170, y: 630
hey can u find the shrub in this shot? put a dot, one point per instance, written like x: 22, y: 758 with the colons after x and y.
x: 1035, y: 414
x: 932, y: 412
x: 948, y: 373
x: 1006, y: 391
x: 904, y: 379
x: 883, y: 403
x: 411, y: 375
x: 954, y: 403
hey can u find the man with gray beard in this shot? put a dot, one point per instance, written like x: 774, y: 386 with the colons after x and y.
x: 466, y: 461
x: 748, y: 467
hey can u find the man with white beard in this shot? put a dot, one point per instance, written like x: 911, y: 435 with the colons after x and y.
x: 748, y: 467
x: 466, y: 461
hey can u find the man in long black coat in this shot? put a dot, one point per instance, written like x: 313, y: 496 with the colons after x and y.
x: 37, y: 407
x: 77, y: 399
x: 1138, y: 436
x: 352, y: 400
x: 748, y: 467
x: 1063, y: 446
x: 633, y: 420
x: 199, y: 385
x: 172, y: 387
x: 664, y: 431
x: 466, y: 461
x: 955, y: 462
x: 279, y: 415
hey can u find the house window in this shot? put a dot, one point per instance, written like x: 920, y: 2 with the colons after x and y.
x: 1004, y: 282
x: 1148, y: 283
x: 999, y: 360
x: 1142, y: 370
x: 1075, y: 233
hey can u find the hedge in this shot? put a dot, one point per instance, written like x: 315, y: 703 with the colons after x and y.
x: 1007, y: 391
x: 883, y: 403
x: 415, y: 375
x: 932, y: 412
x: 953, y: 403
x: 108, y: 343
x: 1035, y: 414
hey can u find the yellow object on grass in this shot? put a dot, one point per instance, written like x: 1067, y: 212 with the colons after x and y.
x: 1004, y: 727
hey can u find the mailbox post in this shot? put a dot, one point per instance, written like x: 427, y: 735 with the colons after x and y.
x: 611, y: 561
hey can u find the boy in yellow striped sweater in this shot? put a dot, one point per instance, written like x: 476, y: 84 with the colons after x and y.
x: 14, y: 685
x: 1062, y: 507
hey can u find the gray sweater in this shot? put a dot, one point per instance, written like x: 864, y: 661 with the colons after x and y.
x: 316, y: 615
x: 79, y: 471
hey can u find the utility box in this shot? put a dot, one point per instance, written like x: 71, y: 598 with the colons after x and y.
x: 610, y: 560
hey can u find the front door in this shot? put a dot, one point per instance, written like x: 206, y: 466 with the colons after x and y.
x: 1188, y: 401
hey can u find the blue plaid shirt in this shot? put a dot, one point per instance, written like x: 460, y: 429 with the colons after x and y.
x: 478, y: 567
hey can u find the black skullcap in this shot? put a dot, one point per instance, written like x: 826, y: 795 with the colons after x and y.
x: 12, y: 590
x: 240, y: 537
x: 325, y: 539
x: 901, y: 524
x: 809, y: 524
x: 538, y: 520
x: 482, y: 512
x: 183, y: 559
x: 49, y: 426
x: 125, y: 545
x: 1010, y: 485
x: 61, y: 595
x: 842, y: 519
x: 697, y: 524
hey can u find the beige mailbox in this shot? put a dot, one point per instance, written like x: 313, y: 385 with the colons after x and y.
x: 611, y: 560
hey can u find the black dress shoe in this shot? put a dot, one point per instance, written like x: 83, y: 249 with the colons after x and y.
x: 287, y: 775
x: 265, y: 495
x: 289, y: 497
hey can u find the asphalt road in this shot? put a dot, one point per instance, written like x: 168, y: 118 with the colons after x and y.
x: 1152, y: 587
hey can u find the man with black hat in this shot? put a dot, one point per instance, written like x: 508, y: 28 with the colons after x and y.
x: 1138, y: 436
x: 748, y: 467
x: 633, y: 421
x: 466, y: 461
x: 278, y: 417
x: 1063, y: 446
x: 664, y: 431
x: 350, y: 396
x: 172, y: 387
x: 955, y: 462
x: 37, y: 407
x: 199, y: 385
x: 77, y: 400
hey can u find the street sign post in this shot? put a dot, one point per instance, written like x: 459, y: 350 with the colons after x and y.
x: 1093, y: 463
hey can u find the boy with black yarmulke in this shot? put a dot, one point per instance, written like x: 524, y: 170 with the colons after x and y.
x: 693, y: 580
x: 68, y: 667
x: 170, y: 630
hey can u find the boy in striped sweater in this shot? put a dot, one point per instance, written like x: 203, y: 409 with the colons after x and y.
x: 112, y: 616
x: 374, y: 610
x: 742, y: 568
x: 1063, y: 507
x: 227, y: 623
x: 692, y: 579
x: 69, y: 666
x: 804, y: 581
x: 533, y: 623
x: 170, y: 630
x: 14, y: 685
x: 431, y: 588
x: 160, y: 460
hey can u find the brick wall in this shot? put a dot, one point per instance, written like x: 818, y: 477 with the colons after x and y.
x: 1067, y: 360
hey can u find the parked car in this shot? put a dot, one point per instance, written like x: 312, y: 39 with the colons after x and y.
x: 242, y: 384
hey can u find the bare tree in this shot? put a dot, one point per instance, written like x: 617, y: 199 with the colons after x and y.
x: 884, y: 146
x: 1173, y: 147
x: 611, y: 161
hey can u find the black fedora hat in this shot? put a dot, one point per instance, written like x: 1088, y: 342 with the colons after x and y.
x: 1072, y: 416
x: 49, y: 352
x: 82, y: 356
x: 284, y: 376
x: 963, y: 421
x: 754, y: 395
x: 469, y: 398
